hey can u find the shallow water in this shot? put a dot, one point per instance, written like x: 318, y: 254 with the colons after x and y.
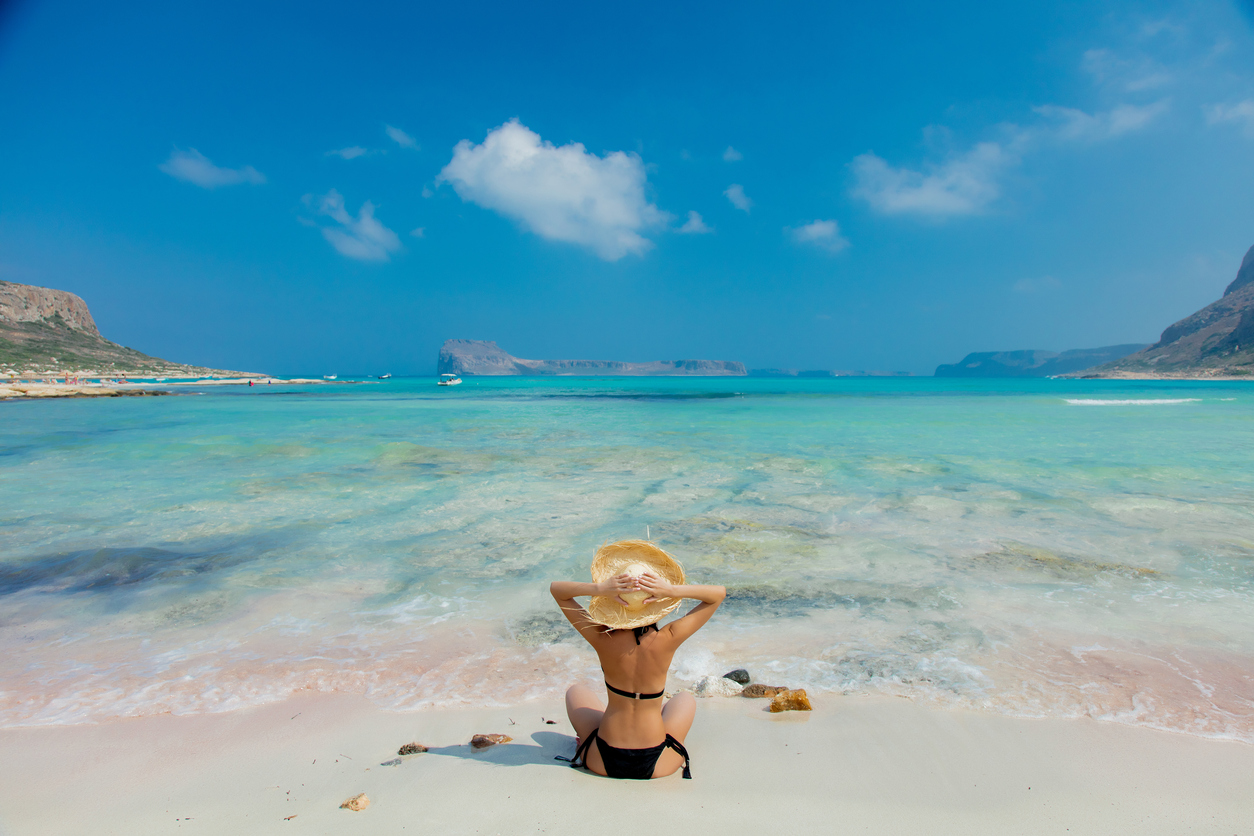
x: 1037, y: 548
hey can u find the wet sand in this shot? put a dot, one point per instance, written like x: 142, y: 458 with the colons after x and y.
x: 854, y: 765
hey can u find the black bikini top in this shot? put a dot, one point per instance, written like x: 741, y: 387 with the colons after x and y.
x: 632, y: 695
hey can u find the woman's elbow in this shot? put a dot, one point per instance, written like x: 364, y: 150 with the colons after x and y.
x: 720, y: 593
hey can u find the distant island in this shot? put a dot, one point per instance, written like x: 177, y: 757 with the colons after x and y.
x: 822, y: 373
x: 1215, y: 342
x: 480, y: 357
x: 51, y: 333
x: 1031, y: 363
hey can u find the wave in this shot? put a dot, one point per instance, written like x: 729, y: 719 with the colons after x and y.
x: 1129, y: 402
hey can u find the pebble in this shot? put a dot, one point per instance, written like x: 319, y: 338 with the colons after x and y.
x: 357, y: 803
x: 393, y: 762
x: 411, y: 749
x: 715, y: 686
x: 739, y: 675
x: 483, y: 741
x: 791, y: 701
x: 762, y: 690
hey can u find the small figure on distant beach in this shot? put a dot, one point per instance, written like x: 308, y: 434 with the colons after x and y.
x: 635, y: 584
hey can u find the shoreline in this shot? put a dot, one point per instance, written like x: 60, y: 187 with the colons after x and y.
x: 20, y: 390
x: 873, y: 764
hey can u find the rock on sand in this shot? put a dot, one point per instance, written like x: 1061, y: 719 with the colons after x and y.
x: 762, y: 690
x: 716, y: 686
x: 483, y: 741
x: 357, y: 803
x: 791, y: 701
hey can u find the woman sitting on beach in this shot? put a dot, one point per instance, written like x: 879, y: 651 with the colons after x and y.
x: 635, y: 584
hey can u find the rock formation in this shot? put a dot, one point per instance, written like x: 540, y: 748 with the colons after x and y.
x: 1032, y: 363
x: 483, y: 357
x: 357, y: 803
x: 1217, y: 341
x: 479, y: 357
x: 45, y: 332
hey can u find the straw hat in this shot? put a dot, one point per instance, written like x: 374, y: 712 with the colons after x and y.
x: 632, y: 557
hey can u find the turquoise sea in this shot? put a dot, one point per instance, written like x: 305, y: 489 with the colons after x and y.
x: 1035, y: 548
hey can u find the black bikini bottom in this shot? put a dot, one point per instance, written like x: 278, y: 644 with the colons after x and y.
x: 629, y: 763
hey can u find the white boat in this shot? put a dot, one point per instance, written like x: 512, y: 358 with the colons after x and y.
x: 330, y: 376
x: 448, y: 380
x: 385, y: 376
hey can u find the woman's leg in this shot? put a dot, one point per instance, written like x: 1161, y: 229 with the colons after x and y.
x: 584, y: 710
x: 677, y: 716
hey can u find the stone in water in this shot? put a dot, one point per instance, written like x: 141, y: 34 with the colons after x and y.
x: 739, y: 675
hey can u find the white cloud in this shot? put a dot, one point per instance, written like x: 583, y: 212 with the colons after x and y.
x: 363, y: 237
x: 963, y: 185
x: 731, y: 155
x: 823, y: 234
x: 1131, y: 74
x: 419, y: 232
x: 401, y: 138
x: 1125, y: 118
x: 736, y: 194
x: 694, y: 225
x: 563, y: 193
x: 194, y: 167
x: 1241, y: 113
x: 350, y: 153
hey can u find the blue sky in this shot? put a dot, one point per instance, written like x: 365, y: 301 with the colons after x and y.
x: 315, y: 187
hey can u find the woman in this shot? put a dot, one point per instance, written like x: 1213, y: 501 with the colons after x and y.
x: 635, y: 584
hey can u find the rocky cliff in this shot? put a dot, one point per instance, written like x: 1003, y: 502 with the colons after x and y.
x: 1031, y: 363
x: 480, y: 357
x: 46, y: 332
x: 1217, y: 341
x: 27, y: 303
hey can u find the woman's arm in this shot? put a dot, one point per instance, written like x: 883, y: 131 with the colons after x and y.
x: 709, y: 596
x: 565, y: 592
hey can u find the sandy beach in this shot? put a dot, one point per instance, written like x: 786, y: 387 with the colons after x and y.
x: 853, y: 765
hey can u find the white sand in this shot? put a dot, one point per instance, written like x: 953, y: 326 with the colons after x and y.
x: 854, y: 765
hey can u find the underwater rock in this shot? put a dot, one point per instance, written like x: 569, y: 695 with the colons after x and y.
x: 483, y: 741
x: 411, y: 749
x: 791, y: 701
x: 715, y: 686
x: 739, y: 675
x: 762, y: 690
x: 357, y: 803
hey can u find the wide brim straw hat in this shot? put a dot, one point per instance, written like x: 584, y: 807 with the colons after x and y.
x: 613, y: 559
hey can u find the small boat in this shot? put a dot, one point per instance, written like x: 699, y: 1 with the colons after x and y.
x: 330, y: 376
x: 385, y: 376
x: 448, y: 380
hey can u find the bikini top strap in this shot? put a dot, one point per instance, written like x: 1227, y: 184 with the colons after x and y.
x: 632, y: 695
x: 683, y: 753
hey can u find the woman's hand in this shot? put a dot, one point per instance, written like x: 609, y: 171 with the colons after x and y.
x: 616, y: 586
x: 656, y: 587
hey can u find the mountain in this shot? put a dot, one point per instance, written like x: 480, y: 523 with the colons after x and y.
x: 46, y: 332
x: 1034, y: 363
x: 1217, y: 341
x: 487, y: 358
